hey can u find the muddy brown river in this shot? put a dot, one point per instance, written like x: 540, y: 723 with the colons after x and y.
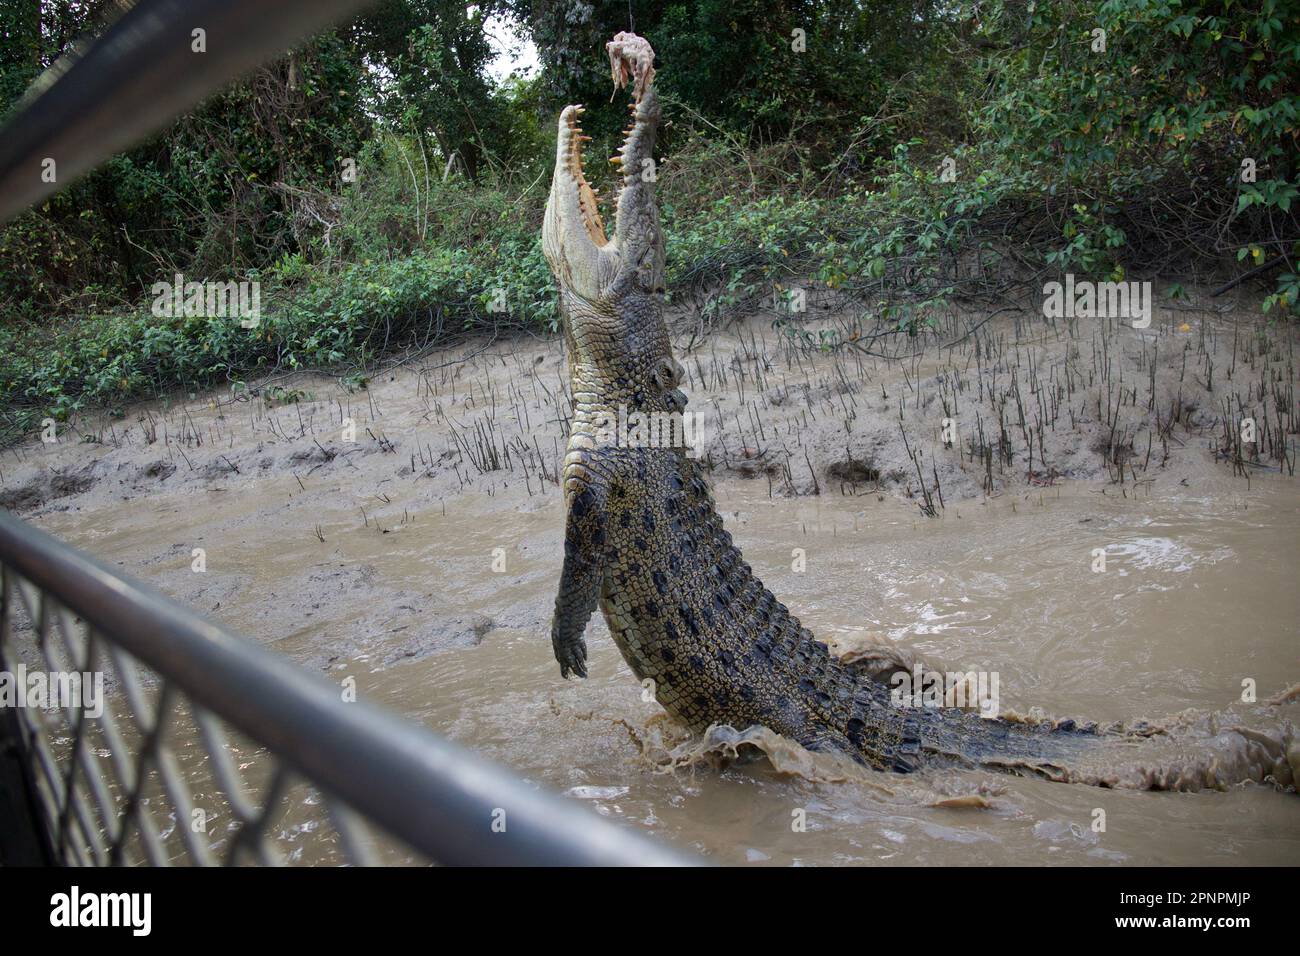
x: 431, y: 585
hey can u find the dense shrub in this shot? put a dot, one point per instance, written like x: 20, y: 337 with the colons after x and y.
x: 1107, y: 137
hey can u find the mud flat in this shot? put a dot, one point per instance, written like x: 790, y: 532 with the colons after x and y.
x: 944, y: 496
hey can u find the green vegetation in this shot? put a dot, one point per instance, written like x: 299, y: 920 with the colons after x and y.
x: 912, y: 153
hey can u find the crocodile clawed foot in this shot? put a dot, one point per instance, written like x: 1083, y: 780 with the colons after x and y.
x: 573, y: 661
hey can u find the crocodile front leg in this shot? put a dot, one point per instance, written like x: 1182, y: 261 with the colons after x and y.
x: 580, y: 579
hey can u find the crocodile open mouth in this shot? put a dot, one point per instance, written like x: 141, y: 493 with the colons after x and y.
x: 588, y: 198
x: 631, y: 60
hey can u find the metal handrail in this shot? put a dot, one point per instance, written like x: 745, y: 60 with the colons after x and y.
x: 433, y: 795
x: 141, y: 73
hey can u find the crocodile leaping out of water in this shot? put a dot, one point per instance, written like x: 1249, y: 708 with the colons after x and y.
x: 645, y: 543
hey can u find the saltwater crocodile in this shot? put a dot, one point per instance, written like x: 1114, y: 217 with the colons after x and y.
x: 645, y: 543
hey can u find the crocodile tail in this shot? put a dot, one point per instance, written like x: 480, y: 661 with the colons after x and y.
x: 1049, y: 751
x: 1190, y: 753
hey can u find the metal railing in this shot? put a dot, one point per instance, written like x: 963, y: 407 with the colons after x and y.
x: 114, y: 789
x: 142, y: 72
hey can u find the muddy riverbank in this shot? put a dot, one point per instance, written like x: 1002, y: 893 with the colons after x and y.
x: 408, y: 535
